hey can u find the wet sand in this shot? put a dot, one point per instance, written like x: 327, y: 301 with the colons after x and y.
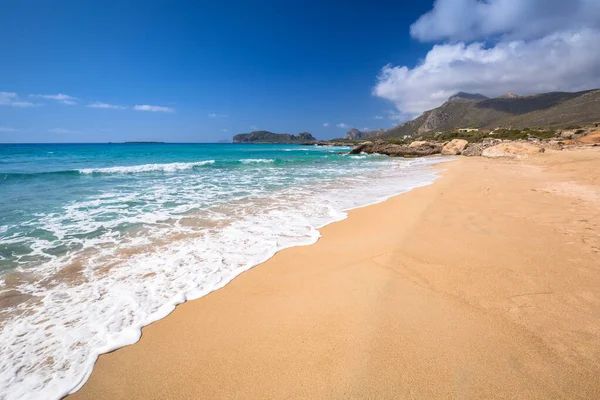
x: 485, y: 284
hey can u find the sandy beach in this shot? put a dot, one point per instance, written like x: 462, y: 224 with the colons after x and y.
x: 485, y: 284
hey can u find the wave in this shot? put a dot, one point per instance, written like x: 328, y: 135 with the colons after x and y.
x: 256, y: 160
x: 133, y: 169
x: 12, y: 176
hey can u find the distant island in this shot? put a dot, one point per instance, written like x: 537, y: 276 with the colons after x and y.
x: 143, y: 142
x: 270, y: 137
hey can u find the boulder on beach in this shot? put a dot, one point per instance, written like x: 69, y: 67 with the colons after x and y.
x: 455, y: 147
x: 417, y: 144
x: 475, y: 149
x: 512, y: 150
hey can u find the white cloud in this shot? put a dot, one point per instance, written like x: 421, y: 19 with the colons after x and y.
x: 568, y: 61
x: 469, y: 20
x: 106, y: 105
x: 326, y: 124
x: 11, y: 99
x: 146, y: 107
x: 254, y: 127
x: 378, y: 117
x: 365, y: 129
x: 224, y: 130
x: 61, y: 98
x: 494, y: 47
x: 342, y: 125
x: 215, y: 115
x: 61, y: 130
x: 7, y: 129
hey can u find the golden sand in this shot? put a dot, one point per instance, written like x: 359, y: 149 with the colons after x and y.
x: 485, y: 284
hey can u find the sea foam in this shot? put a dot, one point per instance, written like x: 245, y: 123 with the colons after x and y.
x: 171, y: 167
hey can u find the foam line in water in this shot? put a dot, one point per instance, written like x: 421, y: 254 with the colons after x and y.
x: 257, y: 160
x: 170, y: 167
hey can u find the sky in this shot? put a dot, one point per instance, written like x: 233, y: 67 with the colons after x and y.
x: 195, y: 71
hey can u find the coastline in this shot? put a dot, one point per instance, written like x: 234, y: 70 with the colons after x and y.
x: 441, y: 291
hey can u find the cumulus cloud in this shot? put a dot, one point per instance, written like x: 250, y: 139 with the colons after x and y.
x: 224, y: 130
x: 378, y: 117
x: 61, y: 98
x: 325, y: 124
x: 521, y: 46
x: 11, y: 99
x: 254, y: 127
x: 106, y: 105
x: 215, y: 115
x: 468, y: 20
x: 146, y: 107
x: 563, y: 61
x: 342, y: 125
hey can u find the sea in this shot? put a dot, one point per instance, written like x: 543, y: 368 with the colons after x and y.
x: 99, y: 240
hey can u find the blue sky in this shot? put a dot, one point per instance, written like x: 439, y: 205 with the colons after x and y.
x: 183, y: 71
x: 284, y: 66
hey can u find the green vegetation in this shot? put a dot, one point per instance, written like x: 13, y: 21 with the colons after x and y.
x: 399, y: 141
x: 471, y: 137
x: 505, y: 134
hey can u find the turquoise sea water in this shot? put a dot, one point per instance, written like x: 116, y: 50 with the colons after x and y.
x: 99, y: 240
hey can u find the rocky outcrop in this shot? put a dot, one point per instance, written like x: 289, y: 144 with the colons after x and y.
x: 455, y: 147
x: 475, y: 149
x: 512, y: 150
x: 415, y: 149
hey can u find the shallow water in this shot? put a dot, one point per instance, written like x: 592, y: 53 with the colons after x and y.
x: 97, y: 241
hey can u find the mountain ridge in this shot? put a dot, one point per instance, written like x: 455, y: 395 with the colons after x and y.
x: 548, y: 110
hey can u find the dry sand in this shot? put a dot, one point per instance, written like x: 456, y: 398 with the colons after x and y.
x: 485, y: 284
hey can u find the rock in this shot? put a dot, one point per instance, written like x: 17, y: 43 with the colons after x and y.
x: 475, y: 149
x: 567, y: 134
x: 555, y: 144
x: 417, y: 144
x: 512, y: 150
x: 420, y: 147
x: 415, y: 149
x: 455, y: 147
x: 359, y: 147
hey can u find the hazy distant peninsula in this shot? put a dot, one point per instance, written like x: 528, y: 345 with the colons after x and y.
x: 270, y: 137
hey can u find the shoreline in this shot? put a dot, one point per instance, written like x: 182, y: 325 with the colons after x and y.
x: 204, y: 327
x: 170, y: 307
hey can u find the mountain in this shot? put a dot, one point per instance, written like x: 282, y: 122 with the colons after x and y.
x: 465, y: 110
x: 467, y: 96
x: 355, y: 134
x: 270, y: 137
